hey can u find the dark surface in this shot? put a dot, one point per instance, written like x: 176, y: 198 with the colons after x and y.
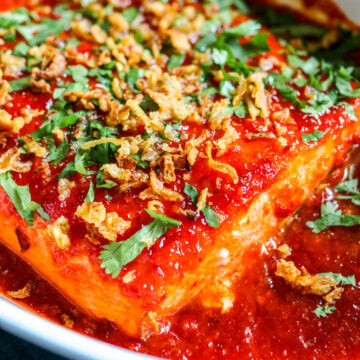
x: 12, y: 348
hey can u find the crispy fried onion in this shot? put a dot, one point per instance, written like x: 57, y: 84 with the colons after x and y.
x: 219, y: 166
x: 9, y: 160
x: 109, y: 225
x: 252, y: 91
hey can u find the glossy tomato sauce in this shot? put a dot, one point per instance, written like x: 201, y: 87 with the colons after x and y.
x: 269, y: 320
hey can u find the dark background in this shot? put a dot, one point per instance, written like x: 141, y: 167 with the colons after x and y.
x: 12, y: 348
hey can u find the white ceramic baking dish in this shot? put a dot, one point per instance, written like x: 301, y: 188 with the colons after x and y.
x: 58, y: 339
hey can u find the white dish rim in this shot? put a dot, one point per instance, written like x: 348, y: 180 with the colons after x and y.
x: 57, y: 339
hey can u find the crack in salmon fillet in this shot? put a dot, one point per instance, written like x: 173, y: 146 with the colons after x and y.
x: 136, y: 172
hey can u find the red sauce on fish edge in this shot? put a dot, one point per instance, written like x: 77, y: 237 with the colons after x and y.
x: 269, y: 319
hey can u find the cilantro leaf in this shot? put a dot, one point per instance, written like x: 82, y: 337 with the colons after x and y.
x: 256, y: 46
x: 12, y: 18
x: 206, y: 42
x: 314, y: 136
x: 349, y: 110
x: 320, y: 103
x: 21, y: 198
x: 130, y: 14
x: 341, y: 279
x: 21, y: 49
x: 175, y: 61
x: 322, y: 311
x: 60, y: 120
x: 309, y: 66
x: 148, y: 104
x: 117, y: 254
x: 19, y: 84
x: 226, y: 88
x: 247, y: 28
x: 209, y: 214
x: 141, y: 164
x: 332, y: 216
x: 191, y: 192
x: 90, y: 196
x: 219, y: 56
x: 46, y: 28
x: 59, y: 154
x: 287, y: 92
x: 101, y: 183
x: 350, y: 187
x: 79, y: 73
x: 343, y: 84
x: 132, y: 77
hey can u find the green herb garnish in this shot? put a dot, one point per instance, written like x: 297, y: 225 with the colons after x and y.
x: 209, y: 214
x: 117, y: 254
x: 21, y: 198
x: 314, y: 136
x: 331, y: 215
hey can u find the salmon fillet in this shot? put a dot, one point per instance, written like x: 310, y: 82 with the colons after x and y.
x: 250, y: 169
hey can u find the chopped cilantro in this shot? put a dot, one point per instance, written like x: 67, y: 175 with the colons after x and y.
x: 141, y: 164
x: 90, y: 196
x: 300, y: 81
x: 132, y: 77
x: 101, y: 183
x: 309, y: 66
x: 21, y: 198
x: 322, y: 311
x: 10, y: 37
x: 148, y: 104
x: 228, y: 41
x: 117, y: 254
x: 341, y: 279
x: 256, y: 46
x: 79, y: 73
x: 344, y: 86
x: 59, y: 120
x: 46, y: 28
x: 205, y: 42
x: 320, y: 103
x: 332, y: 216
x: 288, y: 93
x: 349, y: 187
x: 209, y: 214
x: 175, y: 61
x: 314, y: 136
x: 79, y: 164
x: 59, y: 153
x: 349, y: 110
x: 219, y: 56
x: 21, y: 49
x: 191, y: 192
x: 13, y: 18
x: 247, y: 28
x: 20, y: 84
x: 241, y: 110
x: 130, y: 14
x: 226, y: 88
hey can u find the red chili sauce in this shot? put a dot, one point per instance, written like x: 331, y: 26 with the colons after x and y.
x: 269, y: 319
